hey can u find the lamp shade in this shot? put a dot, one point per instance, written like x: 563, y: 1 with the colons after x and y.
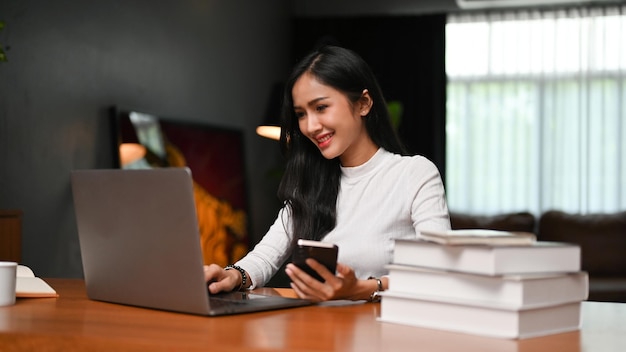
x: 270, y: 128
x: 131, y: 152
x: 267, y: 131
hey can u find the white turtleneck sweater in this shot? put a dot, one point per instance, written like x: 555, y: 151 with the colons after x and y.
x: 390, y: 196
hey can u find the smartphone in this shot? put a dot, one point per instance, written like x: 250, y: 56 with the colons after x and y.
x: 325, y: 253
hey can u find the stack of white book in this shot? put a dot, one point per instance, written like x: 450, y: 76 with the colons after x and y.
x: 484, y: 282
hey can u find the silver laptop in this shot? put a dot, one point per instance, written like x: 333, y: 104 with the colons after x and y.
x: 140, y: 244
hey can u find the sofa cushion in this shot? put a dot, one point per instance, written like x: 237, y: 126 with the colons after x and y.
x: 602, y: 238
x: 521, y: 222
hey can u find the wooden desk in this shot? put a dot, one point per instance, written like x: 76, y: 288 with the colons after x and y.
x: 73, y: 322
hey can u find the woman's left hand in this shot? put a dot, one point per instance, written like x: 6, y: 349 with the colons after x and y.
x: 344, y: 285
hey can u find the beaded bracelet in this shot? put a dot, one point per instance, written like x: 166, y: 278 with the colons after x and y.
x: 244, y: 277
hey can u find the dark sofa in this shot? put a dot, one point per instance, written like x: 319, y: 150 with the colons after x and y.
x: 602, y: 238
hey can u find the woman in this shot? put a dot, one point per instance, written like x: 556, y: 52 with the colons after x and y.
x: 347, y: 181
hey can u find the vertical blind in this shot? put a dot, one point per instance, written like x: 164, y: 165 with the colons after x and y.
x: 536, y: 110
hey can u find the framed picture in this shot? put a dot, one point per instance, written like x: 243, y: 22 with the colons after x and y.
x: 215, y: 156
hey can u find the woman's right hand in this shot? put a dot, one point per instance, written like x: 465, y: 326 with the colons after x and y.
x: 220, y: 280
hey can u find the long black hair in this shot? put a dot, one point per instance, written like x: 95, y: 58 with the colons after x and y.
x: 310, y: 184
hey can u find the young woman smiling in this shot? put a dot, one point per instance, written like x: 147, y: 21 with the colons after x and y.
x: 347, y: 181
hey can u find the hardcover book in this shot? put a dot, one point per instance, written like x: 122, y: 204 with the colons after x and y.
x: 540, y: 257
x: 479, y: 319
x: 479, y: 236
x: 517, y: 291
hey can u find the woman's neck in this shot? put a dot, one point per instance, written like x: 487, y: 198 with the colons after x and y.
x: 359, y: 153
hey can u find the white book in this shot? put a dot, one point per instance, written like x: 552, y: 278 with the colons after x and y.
x: 518, y: 291
x: 483, y: 320
x: 409, y: 338
x: 479, y: 236
x: 27, y: 285
x: 540, y: 257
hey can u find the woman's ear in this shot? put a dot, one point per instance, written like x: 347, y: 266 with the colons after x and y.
x: 365, y: 103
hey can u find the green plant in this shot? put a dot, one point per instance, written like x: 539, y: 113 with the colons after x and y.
x: 3, y: 56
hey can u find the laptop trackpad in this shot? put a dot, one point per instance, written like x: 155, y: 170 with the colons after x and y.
x: 237, y: 296
x: 243, y: 302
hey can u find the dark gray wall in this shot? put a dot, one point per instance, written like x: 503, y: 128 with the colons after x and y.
x: 206, y: 61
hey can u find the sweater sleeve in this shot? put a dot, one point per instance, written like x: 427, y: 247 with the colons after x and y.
x: 429, y: 209
x: 270, y: 253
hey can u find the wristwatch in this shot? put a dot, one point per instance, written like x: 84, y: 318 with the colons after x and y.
x: 375, y: 297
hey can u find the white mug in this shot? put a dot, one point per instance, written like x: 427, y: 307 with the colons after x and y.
x: 8, y: 271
